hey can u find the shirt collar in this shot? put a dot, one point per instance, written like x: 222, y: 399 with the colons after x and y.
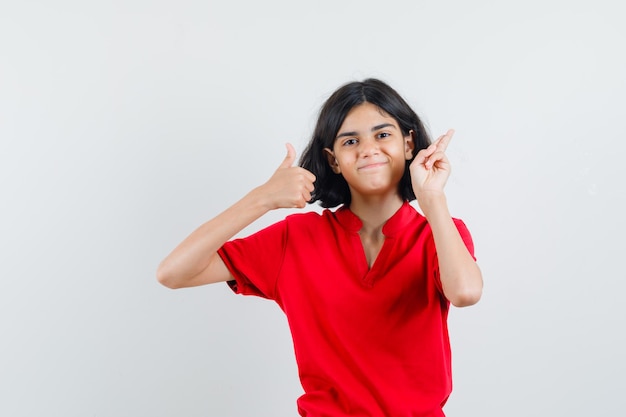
x: 396, y: 223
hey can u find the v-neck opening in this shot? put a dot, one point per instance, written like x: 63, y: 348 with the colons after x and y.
x: 352, y: 224
x: 373, y: 272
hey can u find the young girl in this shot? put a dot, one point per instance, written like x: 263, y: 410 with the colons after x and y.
x: 366, y: 287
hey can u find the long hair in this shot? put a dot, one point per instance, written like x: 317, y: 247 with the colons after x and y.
x: 331, y: 189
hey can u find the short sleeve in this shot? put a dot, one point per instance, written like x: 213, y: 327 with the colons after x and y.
x: 465, y: 235
x: 255, y: 261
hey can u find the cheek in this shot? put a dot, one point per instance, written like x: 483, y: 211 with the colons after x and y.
x: 344, y: 158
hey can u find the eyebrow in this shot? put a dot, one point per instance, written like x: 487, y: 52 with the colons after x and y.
x: 375, y: 128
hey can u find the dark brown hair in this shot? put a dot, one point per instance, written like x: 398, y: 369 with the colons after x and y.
x: 332, y: 189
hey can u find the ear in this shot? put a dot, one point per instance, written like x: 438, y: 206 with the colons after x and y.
x: 332, y: 161
x: 409, y: 145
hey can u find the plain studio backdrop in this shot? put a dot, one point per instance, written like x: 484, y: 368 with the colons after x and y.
x: 126, y: 124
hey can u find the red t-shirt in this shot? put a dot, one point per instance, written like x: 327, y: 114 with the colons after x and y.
x: 368, y: 342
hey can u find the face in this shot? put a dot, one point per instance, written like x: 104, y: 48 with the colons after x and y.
x: 370, y: 151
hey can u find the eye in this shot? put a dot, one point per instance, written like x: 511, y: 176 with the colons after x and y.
x: 349, y: 142
x: 383, y: 135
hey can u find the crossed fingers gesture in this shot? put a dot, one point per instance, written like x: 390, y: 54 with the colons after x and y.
x: 430, y: 169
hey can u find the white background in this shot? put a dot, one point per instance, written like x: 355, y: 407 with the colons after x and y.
x: 126, y: 124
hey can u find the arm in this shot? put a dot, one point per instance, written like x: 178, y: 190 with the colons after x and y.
x: 461, y: 278
x: 195, y: 260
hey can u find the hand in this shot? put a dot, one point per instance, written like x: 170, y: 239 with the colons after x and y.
x: 289, y: 186
x: 430, y: 169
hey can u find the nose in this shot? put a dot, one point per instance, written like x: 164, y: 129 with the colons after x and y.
x: 368, y: 147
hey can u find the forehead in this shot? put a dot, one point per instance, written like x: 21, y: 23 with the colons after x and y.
x: 364, y: 116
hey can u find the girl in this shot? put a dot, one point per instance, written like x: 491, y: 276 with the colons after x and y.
x: 366, y: 287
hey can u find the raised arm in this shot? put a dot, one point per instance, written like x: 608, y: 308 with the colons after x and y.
x: 461, y: 278
x: 195, y: 260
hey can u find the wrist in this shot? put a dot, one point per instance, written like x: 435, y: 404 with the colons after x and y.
x: 433, y: 203
x: 257, y: 200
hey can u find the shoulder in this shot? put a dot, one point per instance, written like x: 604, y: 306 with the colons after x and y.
x: 417, y: 219
x: 312, y: 223
x: 460, y: 226
x: 417, y: 223
x: 308, y: 219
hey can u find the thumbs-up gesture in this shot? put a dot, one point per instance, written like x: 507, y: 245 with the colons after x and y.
x: 290, y: 186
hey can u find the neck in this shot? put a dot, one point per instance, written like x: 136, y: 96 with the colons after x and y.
x: 374, y: 211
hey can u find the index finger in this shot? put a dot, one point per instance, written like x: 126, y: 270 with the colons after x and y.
x: 443, y: 141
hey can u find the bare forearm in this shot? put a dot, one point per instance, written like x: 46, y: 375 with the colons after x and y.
x: 196, y: 262
x: 187, y: 264
x: 461, y: 278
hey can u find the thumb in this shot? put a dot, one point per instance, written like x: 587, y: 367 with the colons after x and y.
x: 290, y: 158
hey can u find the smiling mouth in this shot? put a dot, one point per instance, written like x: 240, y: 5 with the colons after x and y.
x: 372, y: 165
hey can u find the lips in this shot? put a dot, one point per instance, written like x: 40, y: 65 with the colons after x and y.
x: 371, y: 165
